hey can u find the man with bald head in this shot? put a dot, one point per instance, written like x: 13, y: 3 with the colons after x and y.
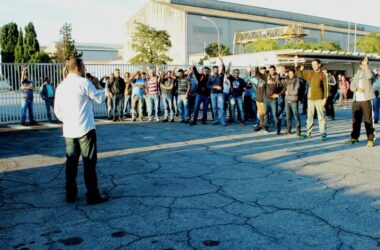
x: 74, y: 107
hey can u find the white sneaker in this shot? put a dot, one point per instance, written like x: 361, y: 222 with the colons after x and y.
x: 157, y: 119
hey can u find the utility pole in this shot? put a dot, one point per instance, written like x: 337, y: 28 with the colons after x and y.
x: 322, y: 34
x: 348, y: 36
x: 355, y: 38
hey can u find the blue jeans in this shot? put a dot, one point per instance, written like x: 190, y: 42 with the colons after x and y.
x: 183, y: 107
x: 175, y: 104
x: 198, y: 100
x: 239, y: 101
x: 152, y: 102
x: 376, y: 107
x: 271, y: 105
x: 337, y: 95
x: 168, y: 106
x: 127, y: 105
x: 254, y: 110
x: 281, y: 106
x: 49, y: 102
x: 117, y: 105
x: 292, y: 108
x: 217, y: 103
x: 27, y: 104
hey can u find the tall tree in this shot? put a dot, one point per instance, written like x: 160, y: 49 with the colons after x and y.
x: 151, y: 45
x: 8, y: 41
x: 370, y: 43
x: 31, y: 45
x: 66, y: 46
x: 19, y: 50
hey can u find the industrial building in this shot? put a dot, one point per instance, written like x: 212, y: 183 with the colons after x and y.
x: 190, y: 33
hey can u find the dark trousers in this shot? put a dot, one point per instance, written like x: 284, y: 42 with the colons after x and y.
x: 292, y: 109
x: 281, y: 106
x: 330, y: 112
x: 198, y: 100
x: 85, y: 146
x: 360, y: 109
x: 49, y: 103
x: 191, y: 105
x: 117, y: 102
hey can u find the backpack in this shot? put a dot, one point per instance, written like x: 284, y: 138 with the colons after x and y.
x: 49, y: 90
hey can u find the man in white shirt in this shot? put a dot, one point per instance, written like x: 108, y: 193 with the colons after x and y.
x: 74, y: 107
x: 362, y: 87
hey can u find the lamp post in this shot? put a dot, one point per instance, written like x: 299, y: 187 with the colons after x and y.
x: 217, y: 30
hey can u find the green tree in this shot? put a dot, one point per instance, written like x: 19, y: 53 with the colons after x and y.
x: 40, y: 57
x: 31, y: 45
x: 8, y: 41
x: 19, y: 50
x: 151, y: 45
x: 325, y: 45
x: 212, y: 50
x: 330, y: 45
x: 370, y: 43
x: 301, y: 45
x: 66, y: 46
x: 262, y: 44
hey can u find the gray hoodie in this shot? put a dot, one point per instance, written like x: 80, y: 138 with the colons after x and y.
x: 367, y: 77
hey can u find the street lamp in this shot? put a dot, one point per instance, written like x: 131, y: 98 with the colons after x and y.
x: 217, y: 30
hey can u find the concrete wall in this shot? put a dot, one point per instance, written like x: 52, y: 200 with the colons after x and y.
x: 160, y: 17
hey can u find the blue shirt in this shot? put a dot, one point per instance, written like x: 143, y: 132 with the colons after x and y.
x: 138, y: 91
x: 27, y: 93
x: 254, y: 82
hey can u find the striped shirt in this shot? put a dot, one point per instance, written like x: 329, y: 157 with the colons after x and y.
x: 183, y: 84
x: 152, y: 85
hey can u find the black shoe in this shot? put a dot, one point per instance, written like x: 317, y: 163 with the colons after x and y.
x: 71, y: 198
x: 97, y: 200
x: 172, y: 120
x: 114, y: 119
x: 187, y: 122
x: 33, y: 123
x: 182, y: 121
x: 258, y: 128
x: 193, y: 123
x: 165, y: 120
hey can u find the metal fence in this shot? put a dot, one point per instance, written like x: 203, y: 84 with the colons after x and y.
x: 10, y: 81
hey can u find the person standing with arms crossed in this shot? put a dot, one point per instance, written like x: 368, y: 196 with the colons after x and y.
x: 79, y: 129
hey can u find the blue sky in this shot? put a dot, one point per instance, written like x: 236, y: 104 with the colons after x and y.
x: 101, y: 21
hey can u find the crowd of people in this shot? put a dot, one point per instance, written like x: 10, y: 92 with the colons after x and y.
x: 265, y: 96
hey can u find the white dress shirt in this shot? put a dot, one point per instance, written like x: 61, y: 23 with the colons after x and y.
x: 74, y: 105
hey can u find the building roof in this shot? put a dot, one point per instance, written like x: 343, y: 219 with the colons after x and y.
x: 238, y: 11
x: 287, y: 57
